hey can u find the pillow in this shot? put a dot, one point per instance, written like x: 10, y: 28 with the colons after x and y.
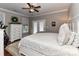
x: 71, y: 38
x: 64, y: 34
x: 76, y: 40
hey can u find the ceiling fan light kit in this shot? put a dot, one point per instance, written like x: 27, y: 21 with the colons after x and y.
x: 32, y: 10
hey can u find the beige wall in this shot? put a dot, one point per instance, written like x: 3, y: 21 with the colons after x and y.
x: 59, y: 18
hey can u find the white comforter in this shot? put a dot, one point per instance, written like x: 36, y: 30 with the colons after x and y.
x: 46, y: 44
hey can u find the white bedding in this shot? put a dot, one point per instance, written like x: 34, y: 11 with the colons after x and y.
x: 46, y: 44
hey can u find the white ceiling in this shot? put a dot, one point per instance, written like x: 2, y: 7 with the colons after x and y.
x: 45, y: 7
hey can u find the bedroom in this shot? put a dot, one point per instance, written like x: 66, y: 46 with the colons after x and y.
x: 39, y: 27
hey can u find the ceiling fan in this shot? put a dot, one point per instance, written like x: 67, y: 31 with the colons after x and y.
x: 32, y: 8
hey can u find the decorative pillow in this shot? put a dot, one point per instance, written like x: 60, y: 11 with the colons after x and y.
x: 76, y: 40
x: 71, y: 38
x: 64, y: 34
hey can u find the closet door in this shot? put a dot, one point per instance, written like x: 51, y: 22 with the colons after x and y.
x: 41, y: 25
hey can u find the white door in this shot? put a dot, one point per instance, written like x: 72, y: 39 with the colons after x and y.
x: 35, y: 27
x: 1, y: 42
x: 41, y: 25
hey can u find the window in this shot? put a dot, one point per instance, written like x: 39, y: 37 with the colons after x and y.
x: 25, y: 28
x: 78, y: 26
x: 2, y: 17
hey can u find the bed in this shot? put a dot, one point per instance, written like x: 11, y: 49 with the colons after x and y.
x: 45, y: 44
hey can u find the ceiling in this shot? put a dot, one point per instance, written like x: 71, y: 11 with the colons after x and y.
x: 45, y: 7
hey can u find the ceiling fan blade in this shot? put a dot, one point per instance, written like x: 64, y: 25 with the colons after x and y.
x: 36, y: 10
x: 38, y: 7
x: 29, y: 4
x: 25, y: 8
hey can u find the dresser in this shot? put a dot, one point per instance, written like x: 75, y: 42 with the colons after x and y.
x: 15, y: 32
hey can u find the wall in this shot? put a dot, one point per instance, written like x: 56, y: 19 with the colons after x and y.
x: 59, y: 18
x: 8, y: 16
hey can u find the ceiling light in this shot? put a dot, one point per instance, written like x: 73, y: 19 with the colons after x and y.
x: 32, y: 10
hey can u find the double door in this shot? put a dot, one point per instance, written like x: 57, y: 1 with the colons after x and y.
x: 38, y: 26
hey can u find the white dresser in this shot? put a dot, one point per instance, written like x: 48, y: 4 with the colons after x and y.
x: 15, y: 32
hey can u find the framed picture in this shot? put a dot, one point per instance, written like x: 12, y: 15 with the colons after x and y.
x: 53, y: 23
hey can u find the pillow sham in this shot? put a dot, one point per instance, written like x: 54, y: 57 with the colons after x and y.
x: 64, y: 34
x: 71, y: 38
x: 76, y: 40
